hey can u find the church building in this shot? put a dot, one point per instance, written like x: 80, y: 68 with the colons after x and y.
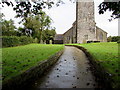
x: 84, y: 29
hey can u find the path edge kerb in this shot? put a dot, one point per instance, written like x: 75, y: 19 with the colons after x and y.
x: 32, y: 74
x: 101, y: 76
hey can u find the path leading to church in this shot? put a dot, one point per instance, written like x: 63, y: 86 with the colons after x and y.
x: 71, y: 71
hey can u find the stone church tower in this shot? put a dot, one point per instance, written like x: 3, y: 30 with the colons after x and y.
x: 85, y: 22
x: 84, y: 29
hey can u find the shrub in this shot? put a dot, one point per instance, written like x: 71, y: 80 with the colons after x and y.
x: 25, y: 40
x: 10, y: 41
x: 115, y: 38
x: 35, y: 40
x: 11, y: 33
x: 109, y: 39
x: 118, y: 41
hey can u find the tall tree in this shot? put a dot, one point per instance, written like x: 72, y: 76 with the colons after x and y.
x: 22, y: 31
x: 8, y: 27
x: 36, y: 24
x: 45, y: 22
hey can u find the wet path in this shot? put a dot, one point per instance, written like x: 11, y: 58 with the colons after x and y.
x: 71, y: 71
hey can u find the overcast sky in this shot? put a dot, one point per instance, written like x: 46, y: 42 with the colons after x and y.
x: 64, y: 15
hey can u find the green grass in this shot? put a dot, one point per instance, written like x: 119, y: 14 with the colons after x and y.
x: 19, y: 59
x: 107, y: 55
x: 0, y: 66
x: 16, y: 60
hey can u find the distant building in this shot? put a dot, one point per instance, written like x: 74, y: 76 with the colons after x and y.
x: 101, y: 35
x: 58, y: 39
x: 70, y: 35
x: 84, y: 29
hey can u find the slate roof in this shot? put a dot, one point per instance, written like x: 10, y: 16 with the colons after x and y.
x: 58, y: 37
x: 101, y: 29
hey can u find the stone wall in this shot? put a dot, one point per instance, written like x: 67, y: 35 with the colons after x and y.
x: 70, y: 35
x: 101, y: 35
x: 24, y: 79
x: 85, y: 22
x: 58, y: 39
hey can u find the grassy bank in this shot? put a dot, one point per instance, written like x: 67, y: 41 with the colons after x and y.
x: 19, y: 59
x: 107, y: 55
x: 0, y: 66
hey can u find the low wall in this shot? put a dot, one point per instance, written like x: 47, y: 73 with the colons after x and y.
x: 31, y: 75
x: 101, y: 75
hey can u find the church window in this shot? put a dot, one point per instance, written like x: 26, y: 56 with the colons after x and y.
x: 101, y: 36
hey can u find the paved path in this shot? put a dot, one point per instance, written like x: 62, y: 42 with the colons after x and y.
x: 71, y: 71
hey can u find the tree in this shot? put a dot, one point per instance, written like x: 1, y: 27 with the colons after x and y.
x: 25, y: 7
x: 34, y: 25
x: 111, y: 5
x: 45, y: 22
x: 22, y: 31
x: 115, y: 38
x: 33, y: 18
x: 8, y: 25
x: 109, y: 39
x: 1, y: 20
x: 1, y: 15
x: 8, y: 28
x: 48, y: 35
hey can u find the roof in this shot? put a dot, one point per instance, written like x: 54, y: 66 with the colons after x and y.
x: 58, y: 37
x: 68, y: 30
x: 101, y: 29
x: 73, y: 25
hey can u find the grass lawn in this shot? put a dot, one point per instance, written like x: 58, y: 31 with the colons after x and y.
x: 0, y: 66
x: 16, y: 60
x: 107, y: 55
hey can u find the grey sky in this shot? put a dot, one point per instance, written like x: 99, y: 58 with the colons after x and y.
x: 64, y: 15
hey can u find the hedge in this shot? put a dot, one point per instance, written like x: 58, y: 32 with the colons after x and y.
x: 10, y: 41
x: 118, y: 41
x: 11, y: 33
x: 115, y: 38
x: 25, y: 40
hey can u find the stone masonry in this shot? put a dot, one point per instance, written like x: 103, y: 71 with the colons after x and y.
x: 85, y: 22
x: 84, y: 29
x: 70, y: 35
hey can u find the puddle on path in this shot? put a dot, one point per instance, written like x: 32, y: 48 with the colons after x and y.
x: 71, y: 71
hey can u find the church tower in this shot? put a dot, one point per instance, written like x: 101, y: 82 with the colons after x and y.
x: 85, y: 21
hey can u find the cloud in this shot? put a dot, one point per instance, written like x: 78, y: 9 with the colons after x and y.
x: 63, y: 16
